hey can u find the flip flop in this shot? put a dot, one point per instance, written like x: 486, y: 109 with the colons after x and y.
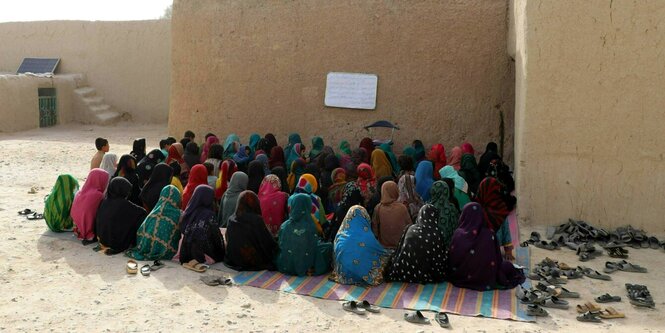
x: 132, y: 266
x: 145, y: 270
x: 156, y: 265
x: 195, y: 266
x: 607, y: 298
x: 536, y: 311
x: 416, y: 317
x: 628, y: 267
x: 442, y: 319
x: 611, y: 313
x: 352, y: 306
x: 368, y: 307
x: 610, y: 267
x: 589, y: 317
x: 35, y: 216
x: 26, y: 211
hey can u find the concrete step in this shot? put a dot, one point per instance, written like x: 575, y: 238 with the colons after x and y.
x: 86, y: 91
x: 100, y: 108
x: 97, y: 100
x: 107, y: 117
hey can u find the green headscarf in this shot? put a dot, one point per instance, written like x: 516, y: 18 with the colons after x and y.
x: 393, y: 160
x: 59, y: 202
x: 317, y: 147
x: 345, y: 147
x: 448, y: 213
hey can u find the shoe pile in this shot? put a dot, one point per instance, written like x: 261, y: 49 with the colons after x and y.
x: 639, y: 295
x: 553, y: 272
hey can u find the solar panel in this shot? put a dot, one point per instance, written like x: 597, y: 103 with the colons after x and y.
x: 38, y: 65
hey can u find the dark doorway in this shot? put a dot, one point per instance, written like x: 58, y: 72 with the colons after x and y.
x: 48, y: 111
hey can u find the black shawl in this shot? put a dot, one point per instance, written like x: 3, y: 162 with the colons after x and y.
x: 118, y: 219
x: 160, y: 177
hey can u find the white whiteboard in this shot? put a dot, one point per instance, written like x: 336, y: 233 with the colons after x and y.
x: 351, y: 90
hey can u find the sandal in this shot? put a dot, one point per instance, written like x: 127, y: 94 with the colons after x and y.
x: 145, y: 270
x: 352, y: 306
x: 195, y: 266
x: 536, y: 311
x: 156, y: 265
x: 607, y: 298
x: 26, y: 211
x: 565, y: 293
x: 587, y: 307
x: 611, y: 313
x: 442, y: 319
x: 628, y: 267
x: 573, y: 274
x: 589, y: 317
x: 132, y: 266
x: 368, y: 307
x: 554, y: 302
x: 35, y: 216
x: 595, y: 275
x: 416, y: 318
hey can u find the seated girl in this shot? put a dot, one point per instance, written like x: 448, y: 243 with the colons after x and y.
x: 85, y: 205
x: 273, y: 203
x: 202, y: 240
x: 117, y: 218
x: 390, y: 217
x: 58, y: 204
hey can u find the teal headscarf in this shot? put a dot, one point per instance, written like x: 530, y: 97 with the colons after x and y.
x: 393, y: 160
x: 300, y: 249
x: 293, y: 139
x: 254, y: 141
x: 317, y: 147
x: 293, y: 155
x: 228, y: 145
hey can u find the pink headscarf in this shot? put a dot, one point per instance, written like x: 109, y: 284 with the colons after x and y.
x: 455, y: 158
x: 273, y: 203
x: 206, y: 147
x: 86, y: 202
x: 467, y: 148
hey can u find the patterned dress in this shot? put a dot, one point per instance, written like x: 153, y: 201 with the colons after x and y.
x: 448, y: 213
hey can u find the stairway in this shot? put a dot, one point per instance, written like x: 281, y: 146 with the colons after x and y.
x: 94, y: 110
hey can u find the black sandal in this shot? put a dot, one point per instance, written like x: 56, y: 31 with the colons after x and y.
x: 26, y: 211
x: 35, y: 216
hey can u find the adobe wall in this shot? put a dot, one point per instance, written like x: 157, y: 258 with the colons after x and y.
x: 256, y: 66
x: 590, y: 112
x: 129, y: 63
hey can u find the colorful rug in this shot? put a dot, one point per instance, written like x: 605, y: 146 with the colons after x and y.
x: 501, y: 304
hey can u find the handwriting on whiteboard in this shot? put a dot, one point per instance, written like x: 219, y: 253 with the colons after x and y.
x: 351, y: 90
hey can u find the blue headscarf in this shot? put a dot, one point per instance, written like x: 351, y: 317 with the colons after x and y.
x: 424, y: 179
x: 359, y: 257
x: 228, y: 145
x: 293, y: 139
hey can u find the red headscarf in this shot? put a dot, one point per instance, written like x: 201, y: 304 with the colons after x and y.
x: 489, y: 196
x: 206, y: 147
x: 174, y: 154
x: 273, y: 203
x: 455, y: 158
x: 366, y: 180
x: 197, y: 176
x: 368, y: 144
x: 227, y: 170
x: 467, y: 148
x: 438, y: 156
x: 277, y: 157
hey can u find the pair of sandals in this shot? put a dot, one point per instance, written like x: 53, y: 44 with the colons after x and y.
x: 611, y: 267
x: 30, y: 214
x: 213, y: 281
x: 132, y: 267
x: 360, y: 308
x: 417, y: 317
x: 194, y: 265
x: 593, y: 274
x: 559, y: 292
x: 597, y: 315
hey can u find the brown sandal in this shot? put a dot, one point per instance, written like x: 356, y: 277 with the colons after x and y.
x: 611, y: 313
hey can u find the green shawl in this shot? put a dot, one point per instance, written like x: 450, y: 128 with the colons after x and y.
x: 59, y: 202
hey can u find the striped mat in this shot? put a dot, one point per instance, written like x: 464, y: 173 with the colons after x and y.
x: 500, y: 304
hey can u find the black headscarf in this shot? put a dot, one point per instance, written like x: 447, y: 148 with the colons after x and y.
x: 147, y: 164
x: 255, y: 174
x: 160, y: 177
x: 272, y: 142
x: 280, y: 172
x: 191, y: 155
x: 200, y: 229
x: 117, y: 218
x: 350, y: 198
x: 250, y: 246
x: 127, y: 169
x: 138, y: 149
x: 491, y: 153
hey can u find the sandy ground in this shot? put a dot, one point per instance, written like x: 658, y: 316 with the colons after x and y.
x: 55, y: 284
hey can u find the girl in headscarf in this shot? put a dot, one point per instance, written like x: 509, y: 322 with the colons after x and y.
x: 249, y: 244
x: 158, y: 236
x: 438, y: 157
x: 197, y: 176
x: 497, y: 205
x: 254, y: 139
x: 175, y: 153
x: 255, y: 173
x: 448, y: 212
x: 366, y: 181
x: 293, y: 139
x: 317, y: 147
x: 336, y: 190
x: 329, y: 162
x: 461, y: 188
x: 420, y: 256
x: 345, y: 154
x: 359, y: 258
x: 475, y: 258
x: 424, y: 179
x: 469, y: 171
x: 301, y: 251
x: 231, y: 145
x: 387, y: 148
x: 297, y: 169
x: 277, y: 157
x: 491, y: 153
x: 381, y: 164
x: 202, y: 240
x: 58, y: 204
x: 159, y: 178
x: 211, y: 140
x: 242, y: 157
x: 273, y: 203
x: 408, y: 151
x: 215, y: 157
x: 229, y: 200
x: 147, y: 164
x: 408, y: 195
x: 175, y: 180
x: 283, y: 178
x: 192, y: 157
x: 297, y: 152
x: 357, y: 157
x: 109, y: 163
x: 390, y: 217
x: 368, y: 144
x: 127, y: 169
x: 138, y: 149
x: 455, y: 158
x: 420, y: 150
x: 376, y: 198
x: 307, y: 184
x: 263, y: 158
x: 118, y: 219
x: 271, y: 142
x: 467, y: 148
x: 85, y: 205
x: 351, y: 197
x: 227, y: 170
